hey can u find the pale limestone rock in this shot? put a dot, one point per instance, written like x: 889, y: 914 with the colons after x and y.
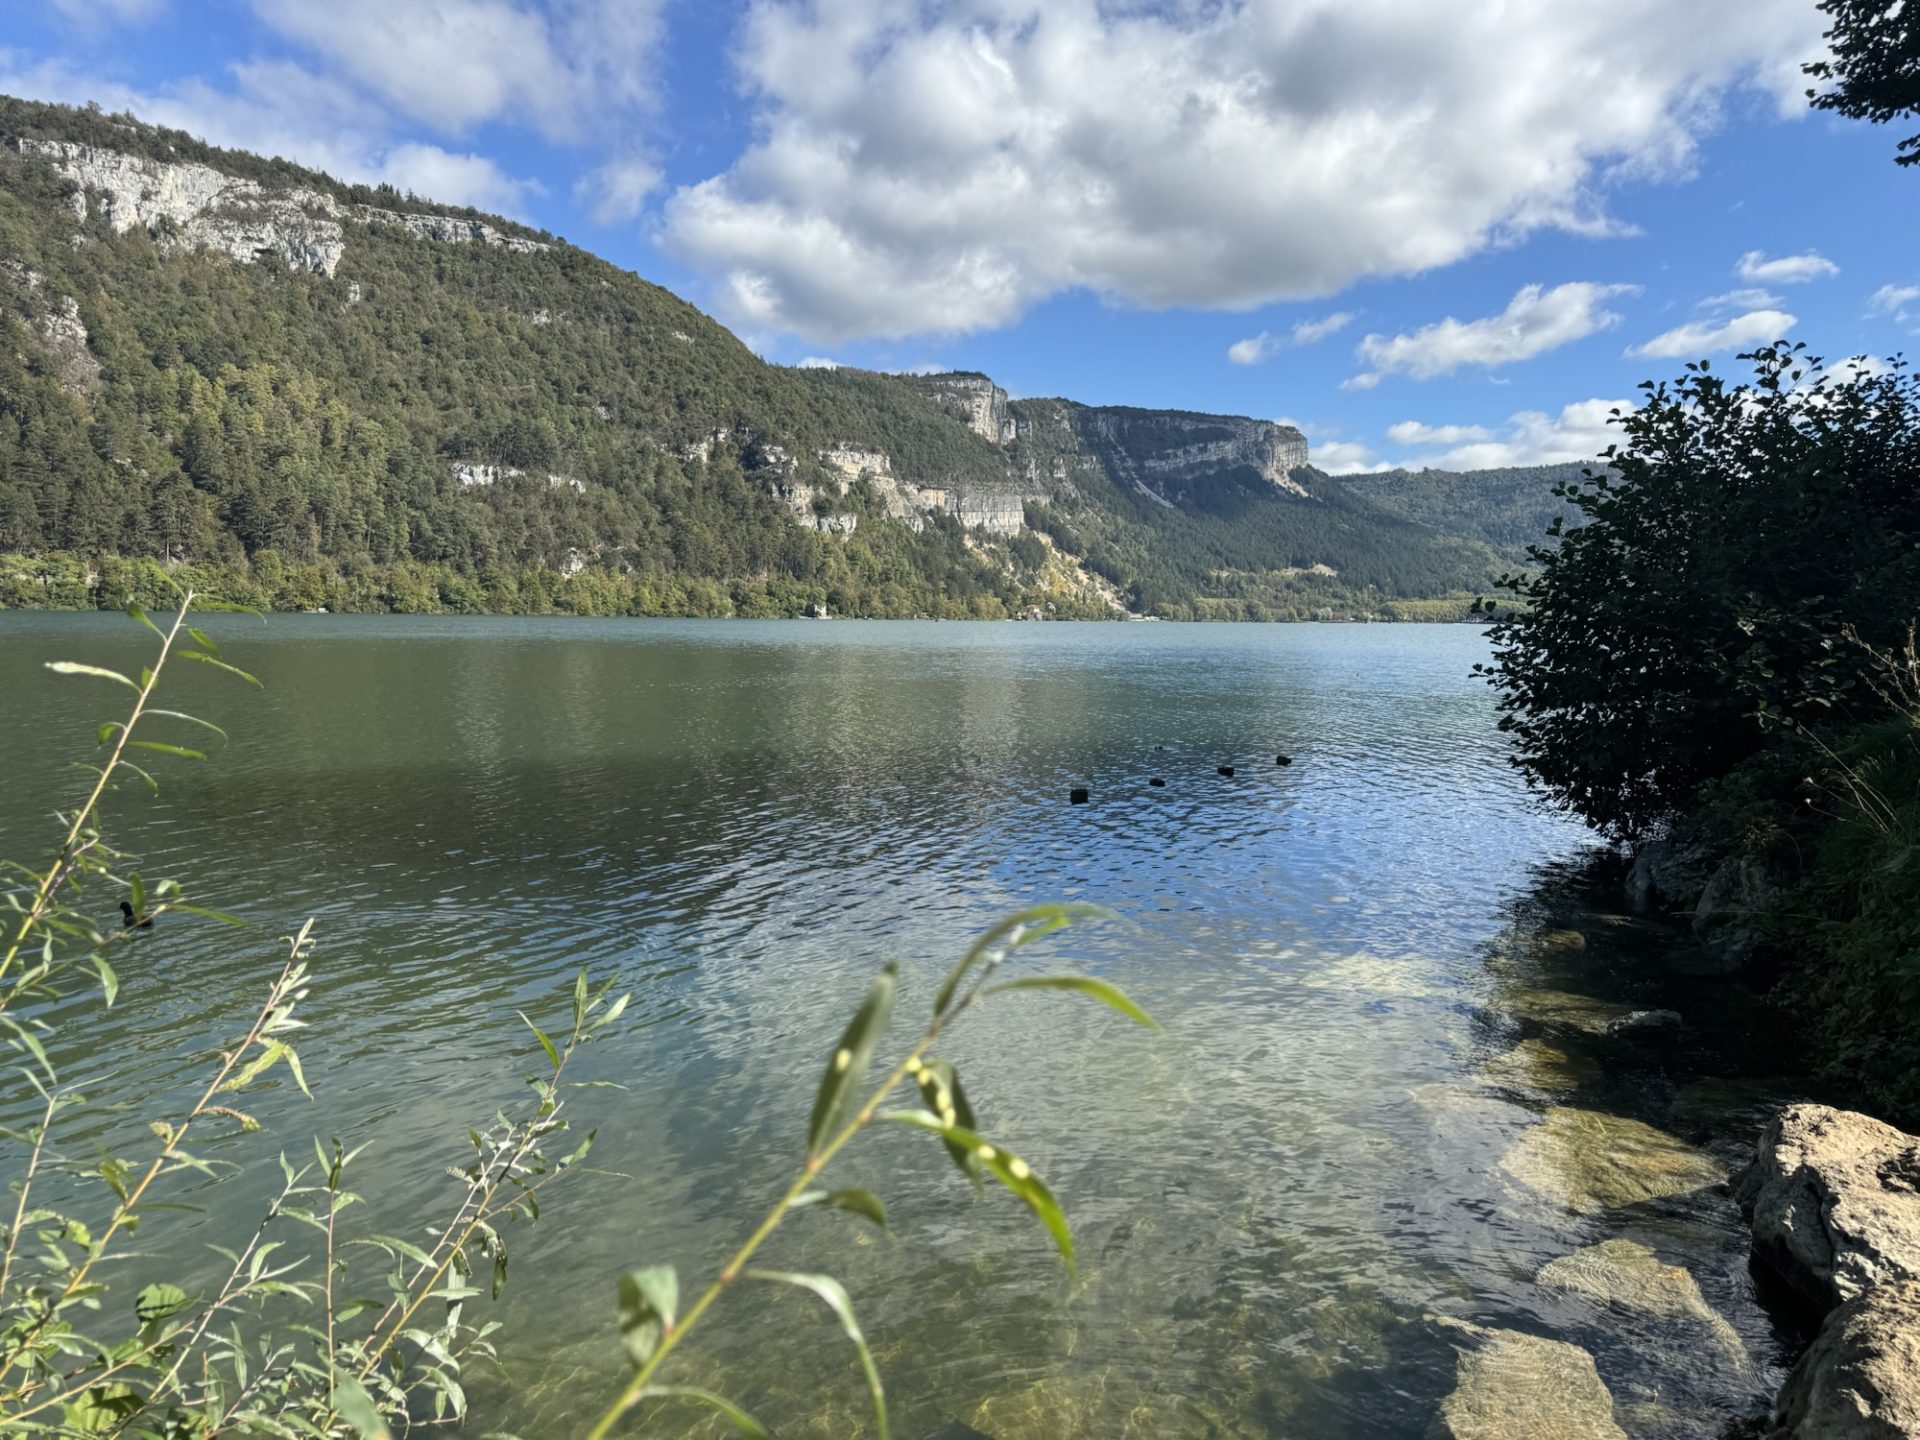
x: 1588, y: 1161
x: 1536, y: 1065
x: 1860, y: 1379
x: 1627, y: 1276
x: 1834, y: 1198
x: 1133, y: 446
x: 1586, y: 1014
x: 1514, y: 1386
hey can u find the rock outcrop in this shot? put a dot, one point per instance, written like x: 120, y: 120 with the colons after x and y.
x: 56, y: 320
x: 1727, y: 917
x: 1860, y: 1380
x: 187, y: 205
x: 1668, y: 875
x: 973, y: 399
x: 1834, y: 1198
x: 1515, y: 1386
x: 1589, y: 1161
x: 1178, y: 456
x: 1627, y: 1277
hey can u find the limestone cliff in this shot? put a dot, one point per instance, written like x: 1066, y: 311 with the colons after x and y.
x: 1179, y: 457
x: 971, y: 398
x: 193, y: 206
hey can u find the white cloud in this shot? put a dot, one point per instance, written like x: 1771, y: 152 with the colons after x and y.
x: 1346, y: 457
x: 617, y: 190
x: 1755, y: 268
x: 1897, y: 301
x: 1364, y: 381
x: 1412, y: 432
x: 943, y: 167
x: 1254, y: 348
x: 1531, y: 437
x: 817, y: 362
x: 1704, y: 337
x: 1266, y: 344
x: 1755, y: 299
x: 92, y: 13
x: 1534, y: 322
x: 459, y: 63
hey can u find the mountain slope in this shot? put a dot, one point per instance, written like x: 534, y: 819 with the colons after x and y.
x: 320, y: 394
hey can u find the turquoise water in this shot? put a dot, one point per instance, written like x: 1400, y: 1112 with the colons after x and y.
x: 741, y: 821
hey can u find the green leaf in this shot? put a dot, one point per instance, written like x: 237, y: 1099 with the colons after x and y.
x: 1110, y: 995
x: 1009, y: 935
x: 860, y: 1202
x: 157, y: 1302
x: 227, y: 607
x: 649, y: 1299
x: 203, y: 640
x: 541, y: 1035
x: 741, y: 1420
x: 109, y: 982
x: 940, y: 1087
x: 835, y: 1294
x: 356, y: 1407
x: 847, y: 1066
x: 191, y: 720
x: 162, y: 748
x: 1009, y: 1169
x: 579, y: 999
x: 70, y: 667
x: 206, y: 659
x: 138, y: 614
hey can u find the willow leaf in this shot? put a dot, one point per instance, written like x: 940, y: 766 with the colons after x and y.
x: 847, y: 1066
x: 1106, y: 994
x: 740, y: 1419
x: 206, y: 659
x: 138, y: 614
x: 940, y: 1088
x: 1008, y: 936
x: 190, y: 719
x: 860, y: 1202
x: 649, y: 1299
x: 73, y: 667
x: 160, y: 747
x: 835, y: 1294
x: 1009, y: 1169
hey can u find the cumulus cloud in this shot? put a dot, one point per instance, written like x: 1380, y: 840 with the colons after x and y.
x: 1412, y: 432
x: 817, y: 362
x: 1266, y: 344
x: 1536, y: 320
x: 1755, y: 268
x: 458, y: 63
x: 617, y: 190
x: 944, y: 167
x: 1531, y: 437
x: 1346, y: 457
x: 1254, y: 348
x: 1897, y: 301
x: 279, y: 108
x: 1715, y: 333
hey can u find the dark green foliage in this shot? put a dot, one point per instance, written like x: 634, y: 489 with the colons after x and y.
x: 1875, y: 70
x: 1509, y: 509
x: 1698, y: 606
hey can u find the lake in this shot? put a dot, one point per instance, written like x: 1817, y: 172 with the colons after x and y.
x: 740, y: 822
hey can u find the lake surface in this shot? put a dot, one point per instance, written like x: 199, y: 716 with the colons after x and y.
x: 740, y: 822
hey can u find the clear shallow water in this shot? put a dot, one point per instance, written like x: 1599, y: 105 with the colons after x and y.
x: 742, y: 821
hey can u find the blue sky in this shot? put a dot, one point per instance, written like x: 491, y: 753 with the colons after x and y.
x: 1428, y: 231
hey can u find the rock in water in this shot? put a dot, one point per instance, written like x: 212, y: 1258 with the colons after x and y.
x: 1589, y: 1161
x: 1156, y: 782
x: 1283, y: 759
x: 1860, y: 1380
x: 1536, y: 1065
x: 1835, y: 1202
x: 1226, y: 770
x: 1513, y: 1386
x: 1627, y: 1276
x: 1078, y: 795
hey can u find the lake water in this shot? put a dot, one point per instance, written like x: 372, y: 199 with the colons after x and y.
x: 740, y: 822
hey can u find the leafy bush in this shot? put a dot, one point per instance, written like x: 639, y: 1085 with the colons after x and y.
x: 1696, y: 607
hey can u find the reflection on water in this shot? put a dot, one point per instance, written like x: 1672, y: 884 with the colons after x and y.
x: 1362, y: 1114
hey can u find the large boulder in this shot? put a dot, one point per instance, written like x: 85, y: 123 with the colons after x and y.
x: 1668, y: 875
x: 1589, y: 1161
x: 1860, y: 1380
x: 1729, y: 917
x: 1515, y: 1386
x: 1834, y: 1198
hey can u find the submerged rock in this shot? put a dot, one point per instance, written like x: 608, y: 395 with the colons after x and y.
x: 1589, y: 1161
x: 1860, y: 1380
x: 1835, y: 1202
x: 1586, y: 1014
x: 1536, y: 1065
x: 1514, y: 1386
x: 1624, y: 1275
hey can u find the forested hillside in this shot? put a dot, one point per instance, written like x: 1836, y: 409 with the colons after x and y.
x: 312, y: 394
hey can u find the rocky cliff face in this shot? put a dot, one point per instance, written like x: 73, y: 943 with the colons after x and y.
x: 195, y: 206
x: 972, y: 399
x: 1178, y: 456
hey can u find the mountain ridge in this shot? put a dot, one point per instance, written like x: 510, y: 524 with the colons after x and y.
x: 234, y: 363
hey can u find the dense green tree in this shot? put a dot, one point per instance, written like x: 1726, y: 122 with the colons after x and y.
x: 1703, y: 597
